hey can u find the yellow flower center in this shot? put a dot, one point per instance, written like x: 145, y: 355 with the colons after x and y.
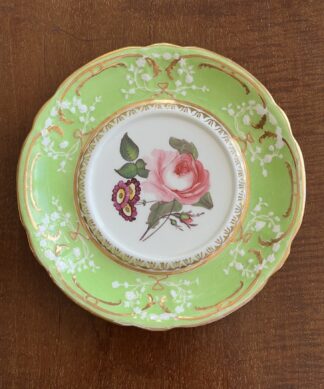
x: 127, y: 210
x: 120, y: 195
x: 132, y: 191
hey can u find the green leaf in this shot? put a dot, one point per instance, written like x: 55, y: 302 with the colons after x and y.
x: 161, y: 209
x: 140, y: 164
x: 205, y: 201
x: 128, y: 149
x: 183, y: 146
x: 128, y: 170
x: 141, y: 171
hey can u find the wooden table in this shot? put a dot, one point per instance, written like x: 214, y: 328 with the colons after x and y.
x: 277, y: 340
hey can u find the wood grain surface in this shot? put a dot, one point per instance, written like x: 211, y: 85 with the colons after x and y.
x: 277, y: 340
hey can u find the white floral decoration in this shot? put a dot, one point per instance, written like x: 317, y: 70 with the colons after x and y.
x: 243, y: 261
x: 244, y: 114
x: 61, y: 149
x: 135, y: 293
x: 139, y: 77
x: 61, y: 244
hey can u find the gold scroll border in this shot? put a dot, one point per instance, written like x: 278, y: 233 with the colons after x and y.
x: 299, y: 163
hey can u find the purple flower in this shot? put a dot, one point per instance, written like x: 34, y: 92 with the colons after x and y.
x: 124, y: 196
x: 120, y: 195
x: 134, y: 188
x: 128, y: 212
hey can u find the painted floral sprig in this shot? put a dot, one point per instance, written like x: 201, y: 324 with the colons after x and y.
x: 175, y: 177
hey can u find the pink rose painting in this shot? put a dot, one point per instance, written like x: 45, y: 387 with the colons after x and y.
x: 175, y: 178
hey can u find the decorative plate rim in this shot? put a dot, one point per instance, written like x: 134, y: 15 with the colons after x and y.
x: 296, y: 226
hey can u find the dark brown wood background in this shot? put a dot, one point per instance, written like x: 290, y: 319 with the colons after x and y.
x: 277, y: 340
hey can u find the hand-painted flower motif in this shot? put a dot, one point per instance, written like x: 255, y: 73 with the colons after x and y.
x: 176, y: 178
x: 124, y: 196
x: 187, y: 218
x: 134, y: 188
x: 120, y: 195
x: 128, y: 212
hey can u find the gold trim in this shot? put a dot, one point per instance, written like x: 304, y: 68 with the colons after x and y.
x: 26, y: 186
x: 27, y: 181
x: 218, y: 304
x: 297, y: 195
x: 158, y: 285
x: 231, y: 74
x: 53, y: 238
x: 227, y: 300
x: 89, y: 67
x: 86, y: 299
x: 96, y: 73
x: 89, y: 296
x: 162, y: 304
x: 130, y: 262
x: 79, y: 301
x: 288, y: 211
x: 36, y: 207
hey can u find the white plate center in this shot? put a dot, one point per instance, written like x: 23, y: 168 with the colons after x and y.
x: 179, y: 192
